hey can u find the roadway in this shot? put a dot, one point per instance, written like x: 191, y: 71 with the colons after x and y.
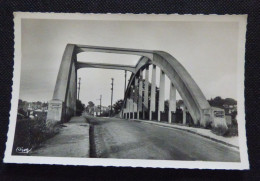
x: 117, y: 138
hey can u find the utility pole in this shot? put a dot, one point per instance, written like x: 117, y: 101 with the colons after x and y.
x: 111, y: 96
x: 79, y: 87
x: 100, y: 99
x: 125, y: 80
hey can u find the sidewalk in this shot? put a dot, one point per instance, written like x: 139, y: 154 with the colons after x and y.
x: 71, y: 141
x: 230, y: 141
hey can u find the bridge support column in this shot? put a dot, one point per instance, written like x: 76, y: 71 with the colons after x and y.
x: 161, y: 94
x: 184, y: 115
x: 63, y: 103
x: 132, y: 101
x: 127, y: 108
x: 55, y: 111
x: 172, y: 102
x: 135, y: 96
x: 146, y: 90
x: 123, y: 113
x: 153, y: 90
x: 140, y: 95
x: 130, y: 108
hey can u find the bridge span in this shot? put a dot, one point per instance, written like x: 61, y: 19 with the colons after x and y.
x: 140, y: 97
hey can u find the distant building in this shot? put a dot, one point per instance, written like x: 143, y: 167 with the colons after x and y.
x: 39, y: 113
x: 104, y: 109
x: 30, y: 108
x: 37, y: 105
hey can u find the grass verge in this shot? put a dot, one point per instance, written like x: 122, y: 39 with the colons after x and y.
x: 29, y: 133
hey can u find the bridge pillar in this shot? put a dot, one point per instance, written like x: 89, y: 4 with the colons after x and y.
x: 153, y: 91
x: 126, y: 108
x: 63, y: 103
x: 130, y: 108
x: 184, y: 114
x: 131, y: 101
x: 133, y: 108
x: 140, y: 94
x: 172, y: 102
x: 146, y: 90
x: 55, y: 111
x: 135, y: 96
x: 161, y: 94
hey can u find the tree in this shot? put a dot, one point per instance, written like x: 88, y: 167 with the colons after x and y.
x: 79, y: 107
x: 20, y: 102
x: 179, y: 103
x: 21, y: 111
x: 90, y: 107
x: 230, y: 101
x: 91, y: 104
x: 44, y: 104
x: 118, y: 106
x: 219, y: 102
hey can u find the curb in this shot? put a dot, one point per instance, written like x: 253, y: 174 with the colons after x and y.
x: 190, y: 131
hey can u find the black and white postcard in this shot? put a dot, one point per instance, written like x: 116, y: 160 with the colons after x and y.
x: 134, y: 90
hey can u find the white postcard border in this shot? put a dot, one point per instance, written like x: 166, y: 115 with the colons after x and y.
x: 244, y: 164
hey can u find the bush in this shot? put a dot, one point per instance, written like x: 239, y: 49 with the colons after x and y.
x: 29, y: 134
x: 80, y: 107
x: 22, y: 112
x: 219, y: 130
x: 232, y: 131
x: 226, y: 131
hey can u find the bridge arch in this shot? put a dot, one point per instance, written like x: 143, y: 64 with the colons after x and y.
x: 63, y: 103
x: 191, y: 94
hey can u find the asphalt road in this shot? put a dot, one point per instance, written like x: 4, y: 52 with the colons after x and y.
x: 117, y: 138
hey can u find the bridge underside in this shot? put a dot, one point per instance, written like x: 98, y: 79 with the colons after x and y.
x: 105, y: 66
x: 140, y: 97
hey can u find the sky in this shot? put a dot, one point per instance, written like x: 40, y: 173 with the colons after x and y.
x: 207, y: 50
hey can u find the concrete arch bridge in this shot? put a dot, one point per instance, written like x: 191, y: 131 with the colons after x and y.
x: 140, y: 96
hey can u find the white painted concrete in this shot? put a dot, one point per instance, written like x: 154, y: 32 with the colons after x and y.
x: 161, y: 94
x: 184, y: 115
x: 172, y: 102
x: 146, y: 87
x: 153, y: 91
x: 140, y: 102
